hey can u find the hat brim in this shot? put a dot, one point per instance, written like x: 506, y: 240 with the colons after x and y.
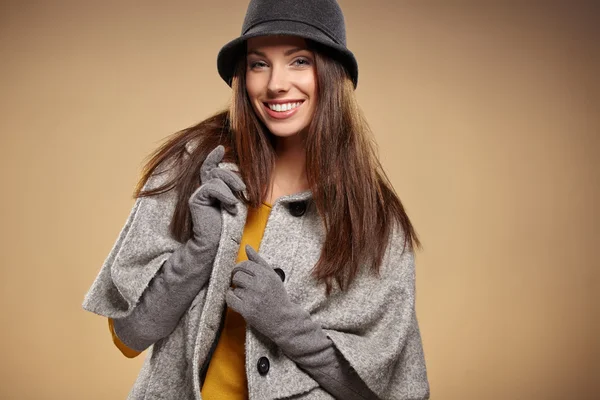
x: 228, y: 55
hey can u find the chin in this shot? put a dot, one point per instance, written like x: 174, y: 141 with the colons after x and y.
x: 285, y: 132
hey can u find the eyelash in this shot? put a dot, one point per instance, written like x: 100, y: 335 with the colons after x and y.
x: 305, y: 60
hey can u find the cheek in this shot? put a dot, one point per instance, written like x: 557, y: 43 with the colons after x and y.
x: 253, y: 86
x: 309, y: 85
x: 251, y: 90
x: 253, y: 94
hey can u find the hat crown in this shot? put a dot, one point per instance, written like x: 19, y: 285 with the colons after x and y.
x: 325, y: 15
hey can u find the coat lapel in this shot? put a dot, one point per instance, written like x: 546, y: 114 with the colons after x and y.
x: 231, y: 235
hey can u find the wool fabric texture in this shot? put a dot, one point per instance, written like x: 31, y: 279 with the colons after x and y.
x: 173, y: 288
x: 372, y: 324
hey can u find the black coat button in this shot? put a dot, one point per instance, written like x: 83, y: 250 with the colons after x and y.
x: 297, y: 208
x: 263, y: 365
x: 281, y: 274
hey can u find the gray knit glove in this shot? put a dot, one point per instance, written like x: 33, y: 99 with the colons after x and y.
x: 188, y: 269
x: 260, y: 297
x: 217, y: 187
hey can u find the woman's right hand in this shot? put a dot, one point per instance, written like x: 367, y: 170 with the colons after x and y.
x: 217, y: 187
x: 188, y: 269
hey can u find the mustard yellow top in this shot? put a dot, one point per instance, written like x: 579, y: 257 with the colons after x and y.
x: 226, y: 374
x: 127, y: 352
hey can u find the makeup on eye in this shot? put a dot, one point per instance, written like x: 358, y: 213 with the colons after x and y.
x: 305, y: 61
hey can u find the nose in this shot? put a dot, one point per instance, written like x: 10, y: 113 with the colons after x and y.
x: 279, y: 80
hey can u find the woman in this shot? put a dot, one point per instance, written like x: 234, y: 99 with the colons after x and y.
x: 267, y: 256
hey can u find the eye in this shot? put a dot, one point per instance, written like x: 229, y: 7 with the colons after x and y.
x: 301, y: 61
x: 257, y: 64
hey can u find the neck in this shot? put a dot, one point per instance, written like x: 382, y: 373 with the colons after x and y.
x: 289, y: 174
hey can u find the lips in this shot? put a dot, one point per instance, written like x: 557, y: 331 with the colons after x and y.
x: 282, y: 114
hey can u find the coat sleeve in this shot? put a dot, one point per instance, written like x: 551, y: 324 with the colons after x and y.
x: 142, y: 246
x: 379, y: 334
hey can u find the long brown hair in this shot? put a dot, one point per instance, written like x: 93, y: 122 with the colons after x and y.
x: 352, y: 193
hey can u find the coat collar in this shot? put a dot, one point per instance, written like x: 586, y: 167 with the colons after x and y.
x: 290, y: 198
x: 300, y: 196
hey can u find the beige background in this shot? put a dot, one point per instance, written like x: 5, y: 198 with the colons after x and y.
x: 486, y: 115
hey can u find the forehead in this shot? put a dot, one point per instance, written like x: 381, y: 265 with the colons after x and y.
x: 275, y: 42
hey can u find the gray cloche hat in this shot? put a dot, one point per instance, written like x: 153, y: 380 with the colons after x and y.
x: 321, y: 21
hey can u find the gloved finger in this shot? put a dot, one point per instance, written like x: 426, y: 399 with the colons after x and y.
x: 196, y: 197
x: 216, y: 189
x: 212, y: 161
x: 244, y: 266
x: 205, y: 194
x: 242, y: 278
x: 230, y: 178
x: 253, y: 256
x: 233, y: 301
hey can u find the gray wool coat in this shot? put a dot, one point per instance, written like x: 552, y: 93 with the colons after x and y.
x: 373, y: 324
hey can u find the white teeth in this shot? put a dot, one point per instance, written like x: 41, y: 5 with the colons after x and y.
x: 283, y: 107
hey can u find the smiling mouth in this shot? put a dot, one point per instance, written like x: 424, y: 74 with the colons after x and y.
x: 282, y: 111
x: 283, y: 107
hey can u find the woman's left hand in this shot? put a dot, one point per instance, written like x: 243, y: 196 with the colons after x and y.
x: 260, y: 297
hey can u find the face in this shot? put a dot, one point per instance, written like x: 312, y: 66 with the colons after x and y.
x: 281, y: 83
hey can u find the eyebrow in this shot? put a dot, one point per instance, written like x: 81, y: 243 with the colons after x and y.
x: 287, y: 53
